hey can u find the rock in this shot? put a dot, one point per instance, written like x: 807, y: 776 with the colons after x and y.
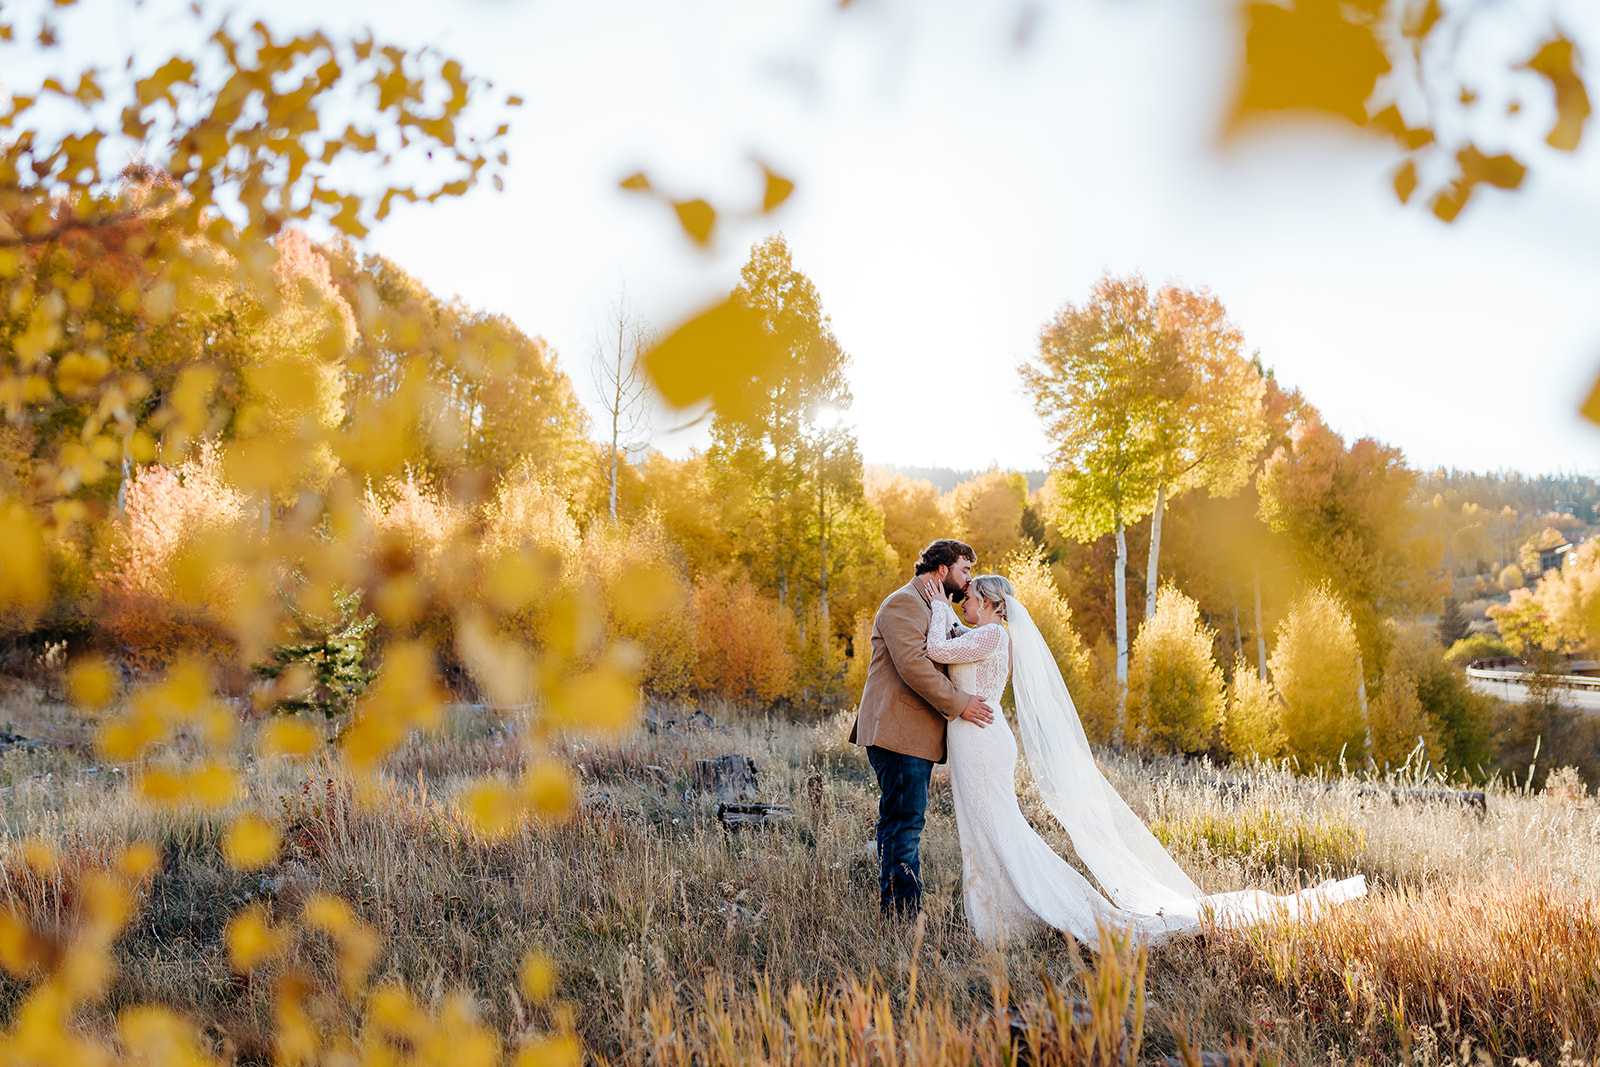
x: 728, y: 778
x: 597, y: 801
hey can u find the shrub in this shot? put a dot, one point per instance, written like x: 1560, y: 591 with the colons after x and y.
x: 1037, y: 591
x: 1511, y: 577
x: 1399, y: 724
x: 820, y: 662
x: 746, y: 646
x: 1460, y: 716
x: 1175, y: 693
x: 164, y: 594
x: 1096, y: 698
x: 1316, y: 665
x: 646, y: 594
x: 1476, y: 646
x: 1252, y: 728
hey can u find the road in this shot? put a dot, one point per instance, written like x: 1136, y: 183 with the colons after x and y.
x: 1495, y: 684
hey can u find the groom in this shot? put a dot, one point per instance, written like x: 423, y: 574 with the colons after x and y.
x: 904, y: 709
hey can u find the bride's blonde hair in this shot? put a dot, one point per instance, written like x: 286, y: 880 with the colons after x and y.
x: 994, y: 589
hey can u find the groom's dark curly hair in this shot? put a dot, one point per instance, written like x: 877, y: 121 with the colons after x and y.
x: 944, y: 553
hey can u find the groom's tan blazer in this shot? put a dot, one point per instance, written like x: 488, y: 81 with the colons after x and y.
x: 908, y: 700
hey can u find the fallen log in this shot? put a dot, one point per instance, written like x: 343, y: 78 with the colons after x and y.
x: 758, y: 816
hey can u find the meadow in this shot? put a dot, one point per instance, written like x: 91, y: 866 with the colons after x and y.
x: 675, y: 940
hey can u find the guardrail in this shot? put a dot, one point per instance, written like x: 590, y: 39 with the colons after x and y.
x: 1561, y: 681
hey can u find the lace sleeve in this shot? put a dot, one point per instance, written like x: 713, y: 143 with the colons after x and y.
x: 969, y: 646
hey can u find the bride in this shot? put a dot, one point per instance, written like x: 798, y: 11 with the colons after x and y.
x: 1012, y: 882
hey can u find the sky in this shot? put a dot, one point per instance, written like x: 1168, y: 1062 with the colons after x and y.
x: 955, y: 188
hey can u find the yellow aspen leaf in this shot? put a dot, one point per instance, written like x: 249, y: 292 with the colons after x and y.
x: 107, y: 902
x: 1308, y: 57
x: 162, y: 786
x: 537, y: 979
x: 159, y: 300
x: 251, y: 842
x: 293, y: 1031
x: 494, y: 808
x: 697, y: 217
x: 252, y: 939
x: 637, y: 182
x: 357, y: 951
x: 1591, y: 404
x: 516, y: 579
x: 392, y: 1008
x: 84, y: 971
x: 24, y: 559
x: 502, y: 666
x: 124, y: 739
x: 327, y: 913
x: 139, y: 861
x: 141, y: 447
x: 1556, y: 61
x: 153, y: 1034
x: 559, y: 1050
x: 601, y: 702
x: 91, y: 683
x: 370, y: 739
x: 213, y: 785
x: 715, y: 356
x: 644, y: 593
x: 41, y: 856
x: 187, y: 686
x: 22, y: 952
x: 1405, y: 181
x: 778, y: 189
x: 547, y: 787
x: 288, y: 737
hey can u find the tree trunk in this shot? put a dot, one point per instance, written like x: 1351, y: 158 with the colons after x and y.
x: 1121, y: 581
x: 1238, y: 634
x: 822, y: 571
x: 1155, y: 553
x: 1261, y: 638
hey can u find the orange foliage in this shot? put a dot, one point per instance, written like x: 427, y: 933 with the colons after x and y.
x: 746, y: 646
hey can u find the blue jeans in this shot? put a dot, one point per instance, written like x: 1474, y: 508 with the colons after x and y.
x: 902, y: 809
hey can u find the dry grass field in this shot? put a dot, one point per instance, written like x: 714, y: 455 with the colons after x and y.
x: 678, y: 941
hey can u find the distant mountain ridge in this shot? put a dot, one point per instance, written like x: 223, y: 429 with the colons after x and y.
x: 946, y: 479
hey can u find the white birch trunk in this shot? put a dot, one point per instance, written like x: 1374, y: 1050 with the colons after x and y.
x: 1155, y: 553
x: 1121, y: 582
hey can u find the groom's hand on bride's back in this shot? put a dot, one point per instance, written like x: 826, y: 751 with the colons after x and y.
x: 978, y: 712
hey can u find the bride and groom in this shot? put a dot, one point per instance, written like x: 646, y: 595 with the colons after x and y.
x: 933, y: 692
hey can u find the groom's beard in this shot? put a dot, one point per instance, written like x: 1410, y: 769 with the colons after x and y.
x: 957, y: 593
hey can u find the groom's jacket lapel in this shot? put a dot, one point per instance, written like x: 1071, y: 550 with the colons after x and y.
x: 908, y: 700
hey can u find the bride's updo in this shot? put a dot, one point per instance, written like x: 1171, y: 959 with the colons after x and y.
x: 994, y: 589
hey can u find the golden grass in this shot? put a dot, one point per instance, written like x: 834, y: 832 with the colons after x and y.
x: 678, y: 941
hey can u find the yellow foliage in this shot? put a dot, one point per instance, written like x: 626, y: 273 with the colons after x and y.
x: 494, y: 808
x: 1175, y: 691
x: 549, y: 791
x: 250, y: 842
x: 252, y: 939
x: 537, y: 979
x: 1037, y: 591
x: 1252, y: 729
x: 1316, y: 665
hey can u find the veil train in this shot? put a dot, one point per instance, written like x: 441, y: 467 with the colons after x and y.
x: 1124, y: 856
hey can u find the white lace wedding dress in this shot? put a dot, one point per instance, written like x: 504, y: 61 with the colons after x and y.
x: 1013, y: 883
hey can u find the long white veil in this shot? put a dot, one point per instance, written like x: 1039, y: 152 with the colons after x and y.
x: 1124, y: 856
